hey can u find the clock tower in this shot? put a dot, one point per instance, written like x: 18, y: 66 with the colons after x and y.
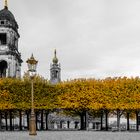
x: 10, y: 58
x: 55, y: 70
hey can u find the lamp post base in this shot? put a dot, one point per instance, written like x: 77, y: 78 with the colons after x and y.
x: 32, y: 127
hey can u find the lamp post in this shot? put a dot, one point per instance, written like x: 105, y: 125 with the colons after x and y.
x: 32, y: 63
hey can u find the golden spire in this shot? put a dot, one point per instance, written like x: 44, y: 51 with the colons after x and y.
x: 55, y: 52
x: 5, y: 4
x: 55, y: 60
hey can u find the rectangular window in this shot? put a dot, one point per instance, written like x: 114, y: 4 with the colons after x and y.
x: 3, y: 39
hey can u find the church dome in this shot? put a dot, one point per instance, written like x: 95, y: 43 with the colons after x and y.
x: 5, y: 14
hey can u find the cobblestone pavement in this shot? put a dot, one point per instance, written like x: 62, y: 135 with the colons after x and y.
x: 71, y: 135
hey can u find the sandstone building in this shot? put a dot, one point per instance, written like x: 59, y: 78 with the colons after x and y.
x: 10, y: 58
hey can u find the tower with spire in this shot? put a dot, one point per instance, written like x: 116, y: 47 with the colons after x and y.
x: 55, y: 70
x: 10, y: 58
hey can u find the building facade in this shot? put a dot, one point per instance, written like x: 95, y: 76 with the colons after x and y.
x: 10, y: 58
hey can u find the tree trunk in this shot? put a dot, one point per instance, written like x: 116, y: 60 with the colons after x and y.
x: 82, y: 121
x: 86, y: 120
x: 10, y: 115
x: 61, y: 122
x: 27, y: 113
x: 68, y: 124
x: 128, y: 122
x: 101, y: 120
x: 42, y: 127
x: 106, y: 120
x: 6, y: 121
x: 20, y: 120
x: 118, y: 119
x: 36, y: 118
x: 47, y: 113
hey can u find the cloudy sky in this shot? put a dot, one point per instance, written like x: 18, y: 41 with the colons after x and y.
x: 93, y: 38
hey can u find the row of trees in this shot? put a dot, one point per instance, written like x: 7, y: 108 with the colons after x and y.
x: 76, y: 97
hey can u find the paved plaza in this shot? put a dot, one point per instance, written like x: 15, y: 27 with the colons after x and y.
x: 71, y: 135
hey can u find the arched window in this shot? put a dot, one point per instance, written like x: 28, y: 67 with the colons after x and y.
x: 3, y: 67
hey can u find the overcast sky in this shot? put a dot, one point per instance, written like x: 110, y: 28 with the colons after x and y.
x: 93, y: 38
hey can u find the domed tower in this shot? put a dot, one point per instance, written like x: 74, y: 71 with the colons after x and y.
x: 10, y: 58
x: 55, y: 70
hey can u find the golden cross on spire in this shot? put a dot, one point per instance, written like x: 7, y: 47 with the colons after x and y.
x: 5, y: 4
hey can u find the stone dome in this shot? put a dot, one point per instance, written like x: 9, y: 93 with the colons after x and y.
x: 5, y: 14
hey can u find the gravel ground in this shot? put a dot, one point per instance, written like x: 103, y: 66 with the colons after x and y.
x: 71, y: 135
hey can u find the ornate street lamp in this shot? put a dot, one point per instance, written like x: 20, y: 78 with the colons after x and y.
x: 32, y: 63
